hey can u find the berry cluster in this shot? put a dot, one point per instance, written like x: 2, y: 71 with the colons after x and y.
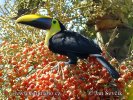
x: 33, y: 72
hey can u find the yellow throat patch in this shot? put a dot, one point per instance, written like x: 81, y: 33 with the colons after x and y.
x: 55, y: 28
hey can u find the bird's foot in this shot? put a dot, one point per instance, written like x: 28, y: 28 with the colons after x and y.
x: 67, y: 63
x: 71, y: 62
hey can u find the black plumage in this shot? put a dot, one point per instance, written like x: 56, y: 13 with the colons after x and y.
x: 74, y: 45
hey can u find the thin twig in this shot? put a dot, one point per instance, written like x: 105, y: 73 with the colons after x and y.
x: 113, y: 36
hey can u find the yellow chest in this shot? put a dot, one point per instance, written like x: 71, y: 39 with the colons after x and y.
x: 48, y: 36
x: 55, y: 28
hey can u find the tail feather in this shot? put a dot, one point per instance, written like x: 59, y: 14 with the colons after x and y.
x: 108, y: 66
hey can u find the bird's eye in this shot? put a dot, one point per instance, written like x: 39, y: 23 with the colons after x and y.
x: 54, y: 21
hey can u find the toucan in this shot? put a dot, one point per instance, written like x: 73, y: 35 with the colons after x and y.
x: 65, y: 42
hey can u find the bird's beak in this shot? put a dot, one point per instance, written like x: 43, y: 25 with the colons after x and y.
x: 38, y: 21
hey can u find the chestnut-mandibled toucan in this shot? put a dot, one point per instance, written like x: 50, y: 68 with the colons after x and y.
x: 65, y: 42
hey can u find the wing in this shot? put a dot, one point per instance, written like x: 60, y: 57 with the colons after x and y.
x: 73, y: 42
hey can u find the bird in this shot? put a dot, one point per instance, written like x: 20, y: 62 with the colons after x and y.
x: 66, y: 42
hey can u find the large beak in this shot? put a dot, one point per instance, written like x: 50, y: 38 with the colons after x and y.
x: 38, y: 21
